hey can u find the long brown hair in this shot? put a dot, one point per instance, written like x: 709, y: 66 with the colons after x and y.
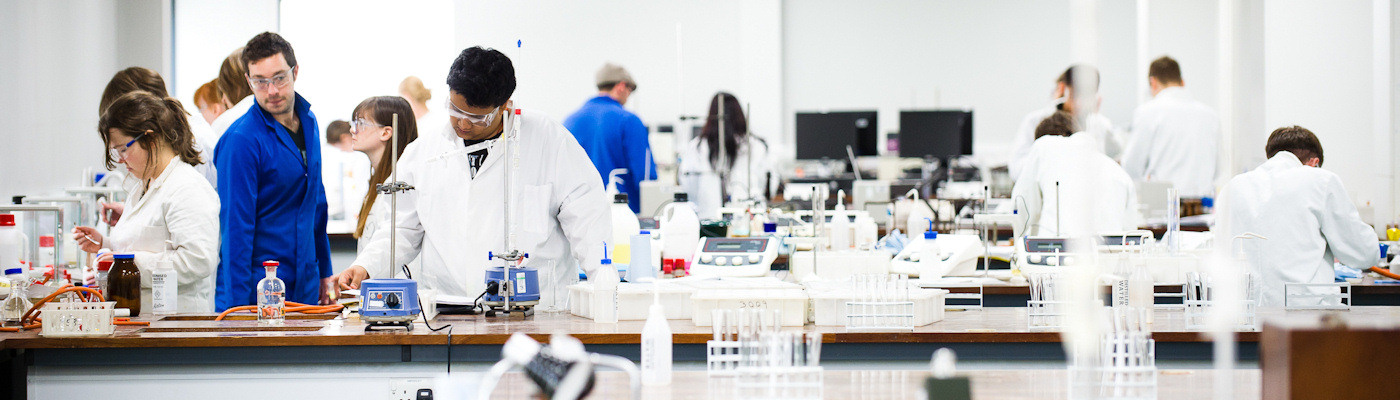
x: 233, y: 78
x: 161, y: 118
x: 129, y: 80
x: 381, y: 110
x: 736, y: 127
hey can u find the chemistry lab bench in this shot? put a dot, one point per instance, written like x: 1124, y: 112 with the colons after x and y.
x: 994, y: 333
x: 1002, y: 294
x: 840, y: 384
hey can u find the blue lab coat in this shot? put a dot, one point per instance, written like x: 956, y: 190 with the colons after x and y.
x: 274, y: 208
x: 614, y: 138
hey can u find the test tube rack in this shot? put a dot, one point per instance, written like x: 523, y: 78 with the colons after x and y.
x: 780, y: 365
x: 724, y: 355
x: 880, y: 303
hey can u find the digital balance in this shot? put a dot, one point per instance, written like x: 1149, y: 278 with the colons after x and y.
x: 725, y: 257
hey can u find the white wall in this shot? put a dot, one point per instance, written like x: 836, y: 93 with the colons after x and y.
x: 206, y: 31
x: 730, y: 45
x: 999, y: 59
x: 1319, y: 75
x: 60, y: 56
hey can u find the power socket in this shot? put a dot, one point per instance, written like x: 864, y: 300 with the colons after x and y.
x: 407, y: 388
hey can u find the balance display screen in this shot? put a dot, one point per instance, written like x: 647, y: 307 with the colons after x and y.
x: 735, y: 245
x: 1111, y: 240
x: 1046, y: 246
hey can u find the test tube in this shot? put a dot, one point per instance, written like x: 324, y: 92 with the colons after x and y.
x: 814, y: 349
x: 717, y: 323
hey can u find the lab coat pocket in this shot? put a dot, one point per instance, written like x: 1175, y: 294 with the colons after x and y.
x: 533, y: 208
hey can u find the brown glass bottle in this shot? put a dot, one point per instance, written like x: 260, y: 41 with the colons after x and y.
x: 124, y: 284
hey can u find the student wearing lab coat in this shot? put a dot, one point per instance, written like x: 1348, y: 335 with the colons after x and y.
x: 344, y: 172
x: 412, y: 89
x: 172, y: 214
x: 137, y: 78
x: 372, y: 133
x: 1305, y: 213
x: 209, y: 102
x: 1098, y: 127
x: 1174, y: 136
x: 750, y: 172
x: 455, y: 215
x: 1070, y: 188
x: 274, y: 204
x: 236, y: 93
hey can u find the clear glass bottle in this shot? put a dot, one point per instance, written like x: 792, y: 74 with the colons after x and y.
x: 272, y: 296
x: 18, y: 301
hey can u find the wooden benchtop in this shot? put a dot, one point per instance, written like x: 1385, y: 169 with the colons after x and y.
x: 989, y: 384
x: 988, y: 325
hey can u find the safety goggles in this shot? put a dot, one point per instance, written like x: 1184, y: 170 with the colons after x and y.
x: 474, y: 119
x: 280, y: 80
x: 361, y: 124
x: 119, y: 154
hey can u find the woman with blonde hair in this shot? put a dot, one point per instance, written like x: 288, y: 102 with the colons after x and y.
x: 412, y: 89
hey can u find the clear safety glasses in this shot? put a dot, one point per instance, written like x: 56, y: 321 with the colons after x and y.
x: 360, y: 124
x: 280, y: 80
x: 119, y: 154
x: 474, y: 119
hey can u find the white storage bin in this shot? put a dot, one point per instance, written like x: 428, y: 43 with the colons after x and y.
x: 829, y: 303
x: 78, y: 319
x: 792, y: 302
x: 634, y: 300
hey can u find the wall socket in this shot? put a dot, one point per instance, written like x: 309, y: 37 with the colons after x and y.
x: 407, y: 388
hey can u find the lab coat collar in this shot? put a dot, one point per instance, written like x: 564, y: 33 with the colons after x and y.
x: 303, y: 110
x: 604, y: 99
x: 1174, y: 92
x: 143, y: 196
x: 1281, y: 160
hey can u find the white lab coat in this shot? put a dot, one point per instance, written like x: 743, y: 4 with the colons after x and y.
x: 450, y: 221
x: 700, y: 182
x: 1095, y: 195
x: 345, y: 175
x: 204, y: 140
x: 225, y: 120
x: 1308, y: 219
x: 1175, y: 139
x: 1099, y: 127
x: 377, y: 219
x: 177, y: 220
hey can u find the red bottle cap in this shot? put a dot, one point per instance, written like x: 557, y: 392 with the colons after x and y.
x: 270, y: 263
x: 7, y: 220
x: 104, y: 265
x: 46, y: 241
x: 667, y: 266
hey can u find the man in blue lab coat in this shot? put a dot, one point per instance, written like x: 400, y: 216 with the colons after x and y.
x: 613, y: 137
x: 274, y: 205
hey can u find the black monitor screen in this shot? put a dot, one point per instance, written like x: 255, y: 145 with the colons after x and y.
x: 941, y: 134
x: 827, y: 134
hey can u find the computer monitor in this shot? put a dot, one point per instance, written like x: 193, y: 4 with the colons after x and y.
x: 826, y: 135
x: 942, y: 134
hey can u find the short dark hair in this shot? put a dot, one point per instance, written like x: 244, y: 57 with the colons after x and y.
x: 130, y: 80
x: 485, y: 77
x: 1165, y: 70
x: 337, y: 129
x: 1297, y: 140
x: 267, y: 44
x: 1058, y: 124
x: 1067, y: 77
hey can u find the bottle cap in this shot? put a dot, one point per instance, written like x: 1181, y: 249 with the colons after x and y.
x: 46, y: 241
x: 620, y: 198
x: 7, y: 220
x: 104, y: 265
x: 1207, y: 202
x: 681, y: 197
x: 270, y: 263
x: 124, y: 256
x: 14, y: 271
x: 644, y: 232
x: 770, y: 227
x: 931, y: 235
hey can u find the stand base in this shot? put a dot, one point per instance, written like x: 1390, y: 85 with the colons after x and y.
x: 372, y: 325
x: 524, y: 311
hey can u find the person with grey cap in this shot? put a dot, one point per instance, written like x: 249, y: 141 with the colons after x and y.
x: 613, y: 137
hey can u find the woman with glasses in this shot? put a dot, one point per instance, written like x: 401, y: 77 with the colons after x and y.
x: 371, y: 132
x: 171, y: 212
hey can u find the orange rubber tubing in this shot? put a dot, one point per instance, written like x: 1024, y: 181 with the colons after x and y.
x: 1385, y: 273
x: 291, y: 307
